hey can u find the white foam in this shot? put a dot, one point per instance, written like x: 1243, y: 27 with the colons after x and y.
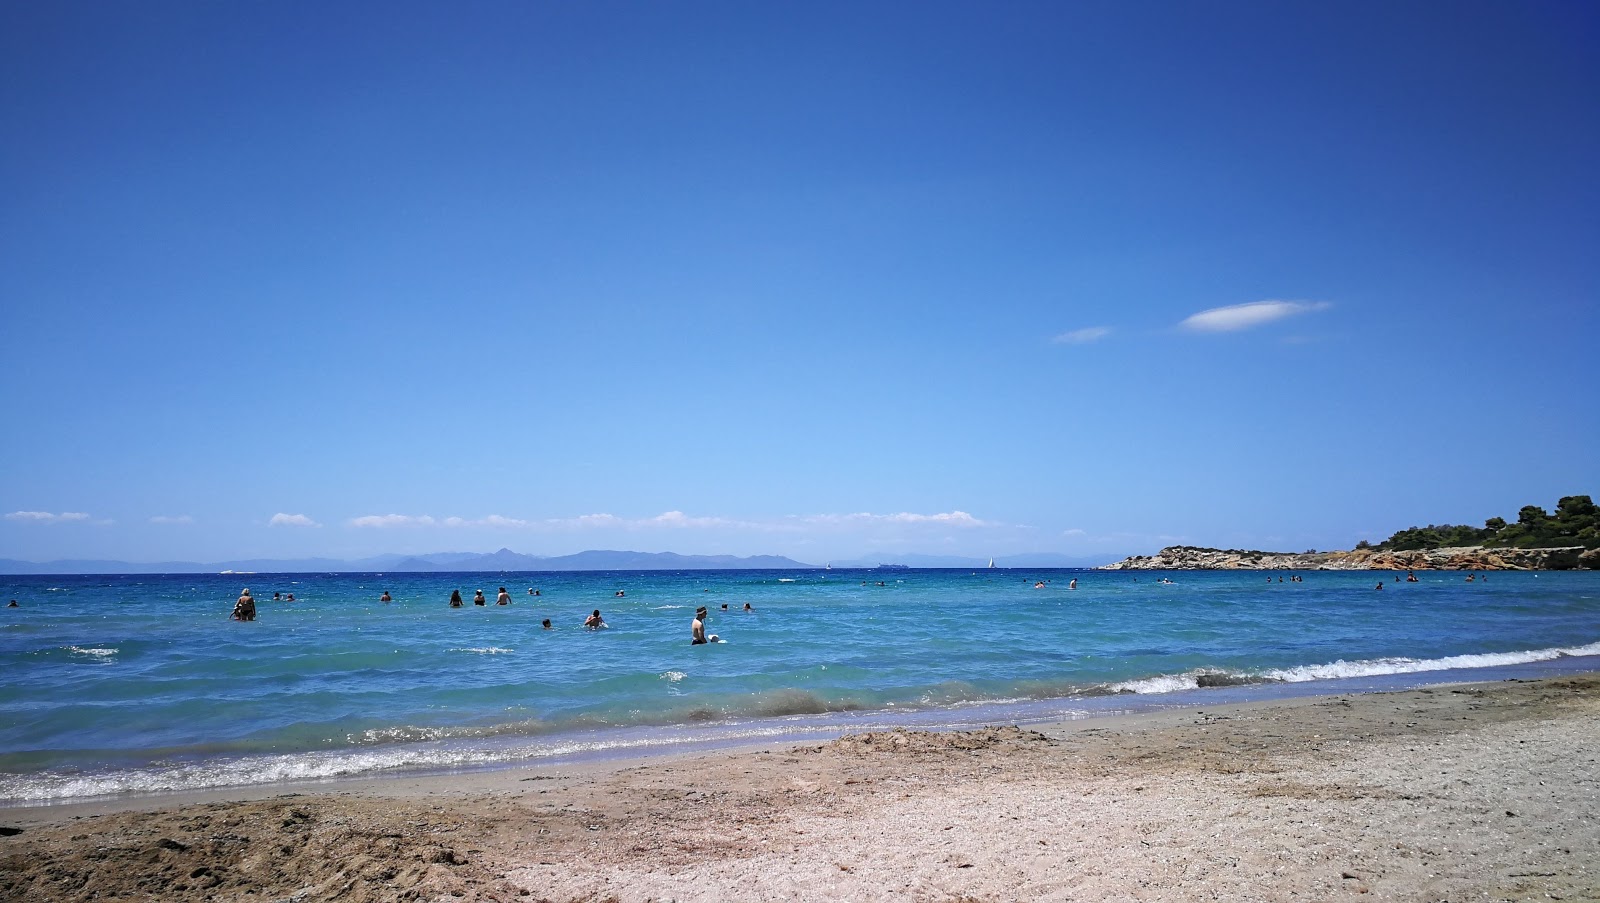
x: 485, y: 650
x: 1378, y: 667
x: 673, y: 676
x: 1381, y: 666
x: 100, y: 654
x: 1163, y: 683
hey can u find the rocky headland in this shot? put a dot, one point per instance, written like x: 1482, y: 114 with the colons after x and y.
x: 1460, y: 558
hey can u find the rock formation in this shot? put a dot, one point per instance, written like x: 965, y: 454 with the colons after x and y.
x: 1462, y: 558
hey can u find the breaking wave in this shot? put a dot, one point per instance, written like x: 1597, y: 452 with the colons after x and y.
x: 1377, y: 667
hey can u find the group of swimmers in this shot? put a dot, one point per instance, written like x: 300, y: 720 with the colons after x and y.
x: 245, y: 610
x: 504, y: 598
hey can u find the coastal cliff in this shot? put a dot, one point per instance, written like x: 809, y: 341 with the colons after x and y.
x: 1462, y: 558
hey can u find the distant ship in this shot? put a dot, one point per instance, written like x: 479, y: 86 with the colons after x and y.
x: 893, y: 567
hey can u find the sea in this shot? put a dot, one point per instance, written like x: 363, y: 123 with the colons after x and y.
x: 131, y: 685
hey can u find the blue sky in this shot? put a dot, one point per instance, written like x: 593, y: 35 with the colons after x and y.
x: 822, y: 280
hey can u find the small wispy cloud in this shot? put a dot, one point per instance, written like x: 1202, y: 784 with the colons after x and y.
x: 46, y: 517
x: 1082, y: 336
x: 387, y: 521
x: 170, y: 519
x: 291, y: 520
x: 492, y: 520
x: 392, y: 520
x: 948, y: 519
x: 1235, y: 317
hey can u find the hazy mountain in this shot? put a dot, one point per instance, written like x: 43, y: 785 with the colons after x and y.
x: 1025, y: 560
x: 507, y: 560
x: 503, y: 560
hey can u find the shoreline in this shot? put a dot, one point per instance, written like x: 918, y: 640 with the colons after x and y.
x: 1432, y: 792
x: 639, y: 745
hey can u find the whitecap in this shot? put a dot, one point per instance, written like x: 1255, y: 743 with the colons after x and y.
x: 673, y: 676
x: 484, y: 650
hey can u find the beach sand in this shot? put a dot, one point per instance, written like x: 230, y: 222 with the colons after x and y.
x: 1474, y: 792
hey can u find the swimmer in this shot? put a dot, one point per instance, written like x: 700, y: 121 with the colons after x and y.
x: 1073, y: 583
x: 455, y: 598
x: 724, y: 606
x: 697, y: 629
x: 504, y: 598
x: 619, y: 593
x: 290, y: 599
x: 478, y: 599
x: 1469, y: 578
x: 1039, y: 585
x: 385, y: 597
x: 277, y: 597
x: 594, y: 621
x: 546, y: 624
x: 747, y: 607
x: 1380, y: 585
x: 13, y: 604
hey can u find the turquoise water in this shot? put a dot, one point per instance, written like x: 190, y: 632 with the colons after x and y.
x: 114, y: 684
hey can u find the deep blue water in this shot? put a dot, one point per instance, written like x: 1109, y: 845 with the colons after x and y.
x: 114, y: 684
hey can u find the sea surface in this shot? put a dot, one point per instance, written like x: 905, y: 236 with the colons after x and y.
x: 142, y: 684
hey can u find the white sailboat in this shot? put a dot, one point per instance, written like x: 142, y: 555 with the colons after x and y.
x: 991, y: 562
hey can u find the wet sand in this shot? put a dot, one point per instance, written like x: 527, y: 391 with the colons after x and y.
x: 1475, y: 792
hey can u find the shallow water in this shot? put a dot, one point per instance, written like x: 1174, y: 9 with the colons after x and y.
x: 141, y: 683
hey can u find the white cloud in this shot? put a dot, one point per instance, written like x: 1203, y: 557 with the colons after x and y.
x: 166, y: 519
x: 1082, y: 336
x: 1244, y: 316
x: 493, y: 520
x: 427, y: 520
x: 45, y: 517
x: 949, y: 519
x: 392, y: 520
x: 679, y: 519
x: 291, y: 520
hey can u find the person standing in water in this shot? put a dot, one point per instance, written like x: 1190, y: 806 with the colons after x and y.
x: 697, y: 630
x: 455, y: 598
x: 245, y: 608
x: 385, y: 597
x: 478, y: 599
x: 594, y: 621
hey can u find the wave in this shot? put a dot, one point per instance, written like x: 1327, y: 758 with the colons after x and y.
x: 484, y: 650
x: 1377, y: 667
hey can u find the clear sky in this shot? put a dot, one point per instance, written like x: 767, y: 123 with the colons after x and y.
x: 814, y: 279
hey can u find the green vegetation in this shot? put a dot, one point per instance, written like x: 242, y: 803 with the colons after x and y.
x: 1575, y: 523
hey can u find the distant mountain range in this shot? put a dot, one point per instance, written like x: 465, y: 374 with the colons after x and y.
x: 507, y: 560
x: 1025, y: 560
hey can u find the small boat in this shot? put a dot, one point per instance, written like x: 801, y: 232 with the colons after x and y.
x: 991, y: 563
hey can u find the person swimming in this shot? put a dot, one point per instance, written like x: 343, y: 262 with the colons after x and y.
x: 747, y: 607
x: 1073, y: 583
x: 478, y: 599
x: 594, y: 621
x: 546, y: 624
x: 385, y: 597
x: 455, y: 598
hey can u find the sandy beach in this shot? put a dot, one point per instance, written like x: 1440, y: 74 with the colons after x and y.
x: 1473, y: 792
